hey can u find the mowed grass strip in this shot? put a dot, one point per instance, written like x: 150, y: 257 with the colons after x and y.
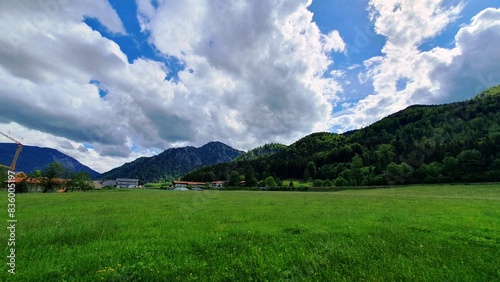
x: 419, y: 233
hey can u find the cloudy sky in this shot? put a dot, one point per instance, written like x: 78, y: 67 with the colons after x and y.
x: 109, y: 81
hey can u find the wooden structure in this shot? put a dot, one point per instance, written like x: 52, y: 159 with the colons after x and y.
x: 16, y: 155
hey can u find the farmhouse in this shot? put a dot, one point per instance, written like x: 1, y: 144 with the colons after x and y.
x: 18, y: 178
x: 127, y: 183
x: 217, y: 184
x: 182, y: 184
x: 214, y: 184
x: 35, y: 184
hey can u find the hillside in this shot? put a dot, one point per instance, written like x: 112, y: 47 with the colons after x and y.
x: 265, y: 150
x: 37, y: 158
x: 173, y: 163
x: 457, y: 142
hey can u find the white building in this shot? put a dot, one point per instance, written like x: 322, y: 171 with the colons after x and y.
x: 127, y: 183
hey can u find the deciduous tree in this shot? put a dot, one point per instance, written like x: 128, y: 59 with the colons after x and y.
x: 270, y: 182
x: 81, y: 181
x: 51, y: 172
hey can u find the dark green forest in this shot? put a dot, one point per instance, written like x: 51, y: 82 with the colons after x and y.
x: 457, y: 142
x: 267, y: 149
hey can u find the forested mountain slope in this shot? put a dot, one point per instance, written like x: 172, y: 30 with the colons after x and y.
x: 173, y: 163
x: 265, y: 150
x: 457, y: 142
x: 34, y: 158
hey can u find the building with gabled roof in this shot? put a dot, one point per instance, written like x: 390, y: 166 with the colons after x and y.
x: 37, y: 183
x: 177, y: 184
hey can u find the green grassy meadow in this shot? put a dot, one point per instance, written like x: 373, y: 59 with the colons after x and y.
x: 418, y: 233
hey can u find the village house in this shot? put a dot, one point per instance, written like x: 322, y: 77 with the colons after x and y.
x: 35, y: 184
x: 217, y: 184
x: 183, y: 184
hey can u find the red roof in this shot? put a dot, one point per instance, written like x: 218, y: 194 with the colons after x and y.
x: 188, y: 183
x: 18, y: 178
x: 192, y: 183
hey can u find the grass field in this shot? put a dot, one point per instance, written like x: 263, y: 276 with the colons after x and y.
x: 425, y: 233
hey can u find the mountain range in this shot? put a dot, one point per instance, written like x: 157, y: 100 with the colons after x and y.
x: 34, y: 158
x: 456, y: 142
x: 173, y: 163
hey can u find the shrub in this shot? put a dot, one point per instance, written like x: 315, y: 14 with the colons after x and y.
x: 318, y: 183
x: 340, y: 181
x: 327, y: 183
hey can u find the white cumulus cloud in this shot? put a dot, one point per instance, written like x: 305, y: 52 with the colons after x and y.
x: 254, y: 72
x: 439, y: 75
x: 253, y: 69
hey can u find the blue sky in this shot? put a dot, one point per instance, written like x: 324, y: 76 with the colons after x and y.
x: 354, y: 26
x: 132, y: 78
x: 351, y: 21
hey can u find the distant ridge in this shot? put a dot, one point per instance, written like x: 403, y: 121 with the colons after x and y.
x: 37, y: 158
x: 174, y: 162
